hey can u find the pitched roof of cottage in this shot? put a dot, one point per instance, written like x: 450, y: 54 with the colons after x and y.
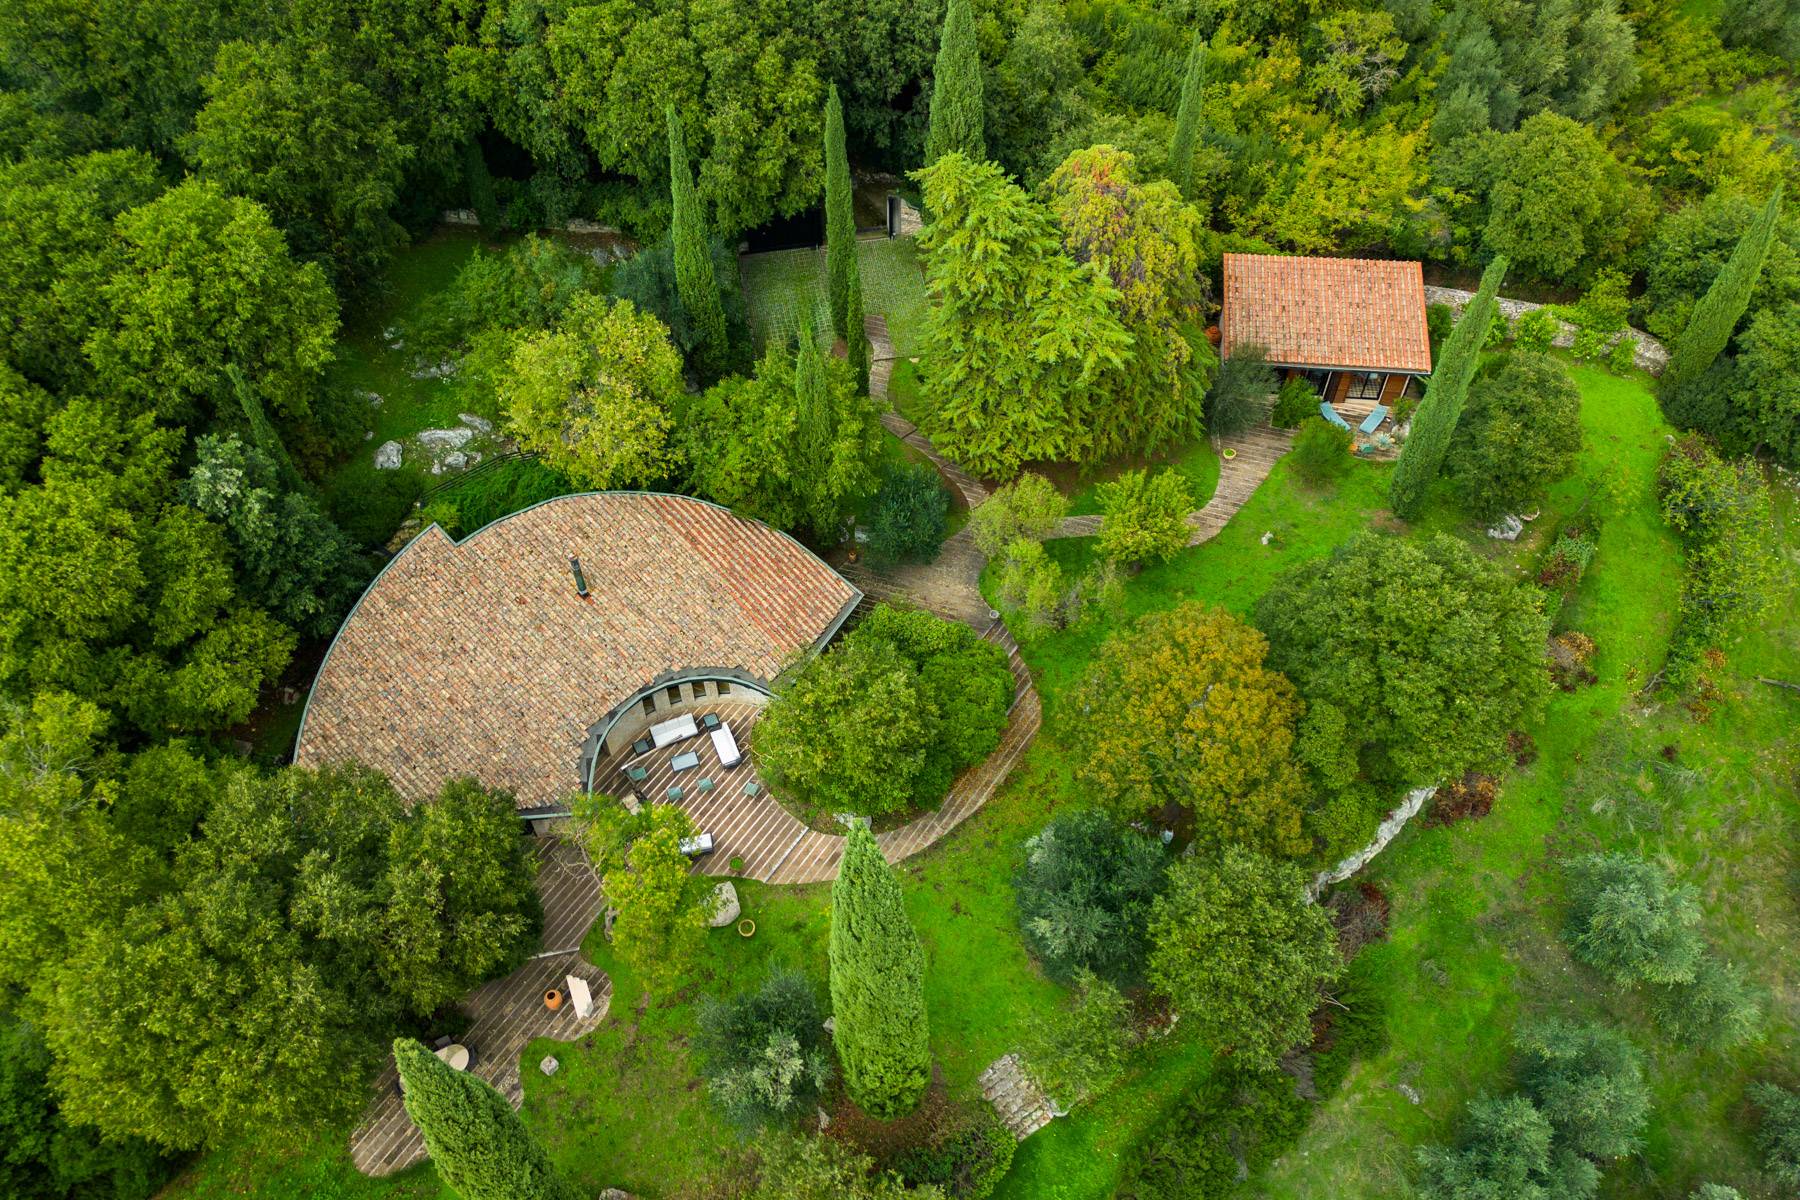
x: 479, y: 658
x: 1356, y: 313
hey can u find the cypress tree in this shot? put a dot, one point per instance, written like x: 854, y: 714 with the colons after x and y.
x: 840, y: 219
x: 1433, y: 425
x: 877, y: 984
x: 1187, y: 119
x: 854, y: 336
x: 480, y: 1147
x: 1719, y: 311
x: 694, y: 281
x: 956, y: 122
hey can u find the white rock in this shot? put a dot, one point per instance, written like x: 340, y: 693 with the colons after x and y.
x: 387, y: 456
x: 549, y: 1065
x: 1407, y: 1090
x: 1508, y: 530
x: 368, y: 435
x: 445, y: 439
x: 725, y: 906
x: 1268, y: 537
x: 456, y: 460
x: 441, y: 370
x: 478, y: 424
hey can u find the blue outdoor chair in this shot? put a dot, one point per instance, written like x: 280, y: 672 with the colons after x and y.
x: 1373, y: 421
x: 1331, y: 414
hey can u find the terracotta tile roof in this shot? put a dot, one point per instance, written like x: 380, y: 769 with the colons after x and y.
x: 1327, y: 312
x: 479, y: 658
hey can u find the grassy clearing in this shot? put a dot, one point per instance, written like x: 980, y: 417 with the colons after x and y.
x: 1477, y: 907
x: 1473, y: 944
x: 780, y: 286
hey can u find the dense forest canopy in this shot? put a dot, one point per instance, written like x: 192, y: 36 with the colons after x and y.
x: 201, y: 201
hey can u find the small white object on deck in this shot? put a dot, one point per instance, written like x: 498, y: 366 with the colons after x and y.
x: 579, y: 995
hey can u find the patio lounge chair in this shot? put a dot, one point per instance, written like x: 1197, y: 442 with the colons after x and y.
x: 752, y: 788
x: 1331, y: 415
x: 709, y: 721
x: 674, y: 793
x: 1373, y: 421
x: 636, y: 774
x: 705, y: 785
x: 641, y: 746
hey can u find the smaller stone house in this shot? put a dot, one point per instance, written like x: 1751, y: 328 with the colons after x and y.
x: 1352, y: 327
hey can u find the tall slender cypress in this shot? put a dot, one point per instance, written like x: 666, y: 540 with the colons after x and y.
x: 1716, y: 316
x: 694, y: 280
x: 856, y: 339
x: 956, y: 112
x: 1187, y: 119
x: 1433, y: 425
x: 840, y: 218
x: 877, y: 984
x: 476, y: 1140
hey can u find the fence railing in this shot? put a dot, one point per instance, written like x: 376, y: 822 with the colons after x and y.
x: 481, y: 468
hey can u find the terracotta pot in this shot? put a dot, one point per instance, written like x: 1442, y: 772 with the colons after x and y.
x: 552, y: 999
x: 746, y: 927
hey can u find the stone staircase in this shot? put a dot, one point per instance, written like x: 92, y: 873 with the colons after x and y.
x: 1021, y: 1103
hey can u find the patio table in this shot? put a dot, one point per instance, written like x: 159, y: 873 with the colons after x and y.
x: 682, y: 762
x: 455, y: 1056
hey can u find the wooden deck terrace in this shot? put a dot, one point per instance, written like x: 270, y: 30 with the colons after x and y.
x: 775, y: 845
x: 507, y: 1014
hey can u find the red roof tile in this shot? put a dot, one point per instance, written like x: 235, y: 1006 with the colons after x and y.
x: 1361, y: 313
x: 478, y: 658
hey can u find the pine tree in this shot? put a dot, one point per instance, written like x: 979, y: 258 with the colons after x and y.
x: 476, y: 1140
x: 1187, y: 119
x: 1434, y: 424
x: 694, y: 281
x: 1719, y: 311
x: 956, y: 103
x: 877, y: 984
x: 840, y: 219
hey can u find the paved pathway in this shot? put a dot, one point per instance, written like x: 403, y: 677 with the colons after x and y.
x: 1255, y: 455
x: 507, y: 1013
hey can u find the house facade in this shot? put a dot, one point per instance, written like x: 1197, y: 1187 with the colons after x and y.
x: 1354, y: 328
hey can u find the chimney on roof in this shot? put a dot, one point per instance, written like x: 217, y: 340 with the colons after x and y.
x: 581, y: 588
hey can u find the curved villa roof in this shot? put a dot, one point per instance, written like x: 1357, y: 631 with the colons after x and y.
x: 480, y: 658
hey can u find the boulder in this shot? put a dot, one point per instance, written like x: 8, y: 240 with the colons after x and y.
x: 387, y: 456
x: 456, y: 460
x: 478, y: 424
x: 1508, y: 530
x: 549, y: 1065
x: 726, y: 909
x: 445, y: 439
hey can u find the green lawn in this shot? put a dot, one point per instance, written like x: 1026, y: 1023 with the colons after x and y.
x: 1473, y: 940
x: 781, y: 285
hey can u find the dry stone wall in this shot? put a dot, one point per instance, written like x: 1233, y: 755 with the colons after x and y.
x: 1651, y: 355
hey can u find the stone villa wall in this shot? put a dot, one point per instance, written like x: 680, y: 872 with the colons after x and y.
x: 1651, y: 354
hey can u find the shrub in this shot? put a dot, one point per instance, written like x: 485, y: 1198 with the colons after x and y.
x: 1084, y: 893
x: 1145, y: 516
x: 1628, y: 919
x: 1358, y: 1030
x: 1567, y: 561
x: 1193, y: 1154
x: 967, y: 1160
x: 1078, y: 1053
x: 908, y: 515
x: 1536, y: 331
x: 1321, y: 451
x: 1298, y: 400
x: 1440, y: 319
x: 483, y: 497
x: 1028, y: 507
x: 1240, y: 394
x: 1779, y: 1135
x: 1506, y: 1151
x: 793, y: 1167
x: 886, y: 718
x: 1029, y: 588
x: 1717, y: 1010
x: 1622, y: 358
x: 647, y: 279
x: 764, y: 1053
x: 1588, y: 1080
